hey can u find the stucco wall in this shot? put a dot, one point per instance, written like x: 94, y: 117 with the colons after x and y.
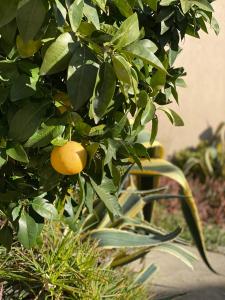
x: 202, y: 103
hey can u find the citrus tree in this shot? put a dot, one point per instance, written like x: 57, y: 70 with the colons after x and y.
x: 72, y: 75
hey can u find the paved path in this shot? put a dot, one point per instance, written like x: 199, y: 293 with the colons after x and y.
x: 173, y: 277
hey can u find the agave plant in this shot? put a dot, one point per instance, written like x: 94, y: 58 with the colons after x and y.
x: 132, y: 230
x: 207, y: 158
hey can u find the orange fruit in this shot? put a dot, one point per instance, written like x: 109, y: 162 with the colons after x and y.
x: 69, y: 159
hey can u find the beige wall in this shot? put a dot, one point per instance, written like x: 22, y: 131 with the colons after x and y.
x: 202, y: 103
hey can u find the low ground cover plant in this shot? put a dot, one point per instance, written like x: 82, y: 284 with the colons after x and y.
x: 64, y: 267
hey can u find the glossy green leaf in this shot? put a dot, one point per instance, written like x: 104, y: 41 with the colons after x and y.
x: 28, y: 230
x: 185, y: 5
x: 124, y: 7
x: 44, y: 136
x: 154, y: 130
x: 45, y: 209
x: 91, y: 14
x: 203, y: 4
x: 100, y: 3
x: 81, y: 85
x: 215, y: 25
x: 30, y: 17
x: 26, y: 121
x: 152, y: 3
x: 142, y: 50
x: 122, y: 68
x: 7, y: 11
x: 23, y: 87
x: 60, y: 13
x: 58, y: 54
x: 104, y: 91
x: 127, y: 33
x: 75, y: 13
x: 173, y: 116
x: 148, y: 113
x: 109, y: 199
x: 18, y: 153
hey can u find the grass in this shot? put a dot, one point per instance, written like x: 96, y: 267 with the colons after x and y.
x: 214, y: 234
x: 63, y: 267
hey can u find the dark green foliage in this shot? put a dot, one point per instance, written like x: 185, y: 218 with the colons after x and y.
x: 113, y: 60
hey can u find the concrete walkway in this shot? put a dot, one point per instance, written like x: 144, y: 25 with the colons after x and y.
x: 174, y: 277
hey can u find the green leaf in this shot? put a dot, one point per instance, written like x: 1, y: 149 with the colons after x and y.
x: 100, y: 3
x: 148, y: 113
x: 124, y: 7
x: 215, y: 25
x: 75, y: 14
x: 186, y: 5
x: 89, y: 198
x: 92, y: 15
x: 142, y: 50
x: 127, y: 33
x: 154, y: 130
x: 60, y: 13
x: 2, y: 161
x: 30, y: 17
x: 109, y: 200
x: 104, y: 91
x: 28, y: 230
x: 167, y: 2
x: 48, y: 178
x: 23, y: 87
x: 18, y: 153
x: 115, y: 238
x: 203, y: 4
x: 158, y: 79
x: 58, y: 55
x: 81, y: 77
x: 153, y: 4
x: 4, y: 92
x: 27, y: 49
x: 7, y: 11
x: 45, y: 209
x: 122, y: 68
x: 173, y: 116
x: 44, y: 136
x: 6, y: 237
x: 26, y: 121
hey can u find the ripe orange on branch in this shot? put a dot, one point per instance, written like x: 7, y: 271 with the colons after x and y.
x: 69, y: 159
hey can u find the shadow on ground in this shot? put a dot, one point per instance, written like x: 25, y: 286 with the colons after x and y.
x: 175, y: 278
x: 215, y: 292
